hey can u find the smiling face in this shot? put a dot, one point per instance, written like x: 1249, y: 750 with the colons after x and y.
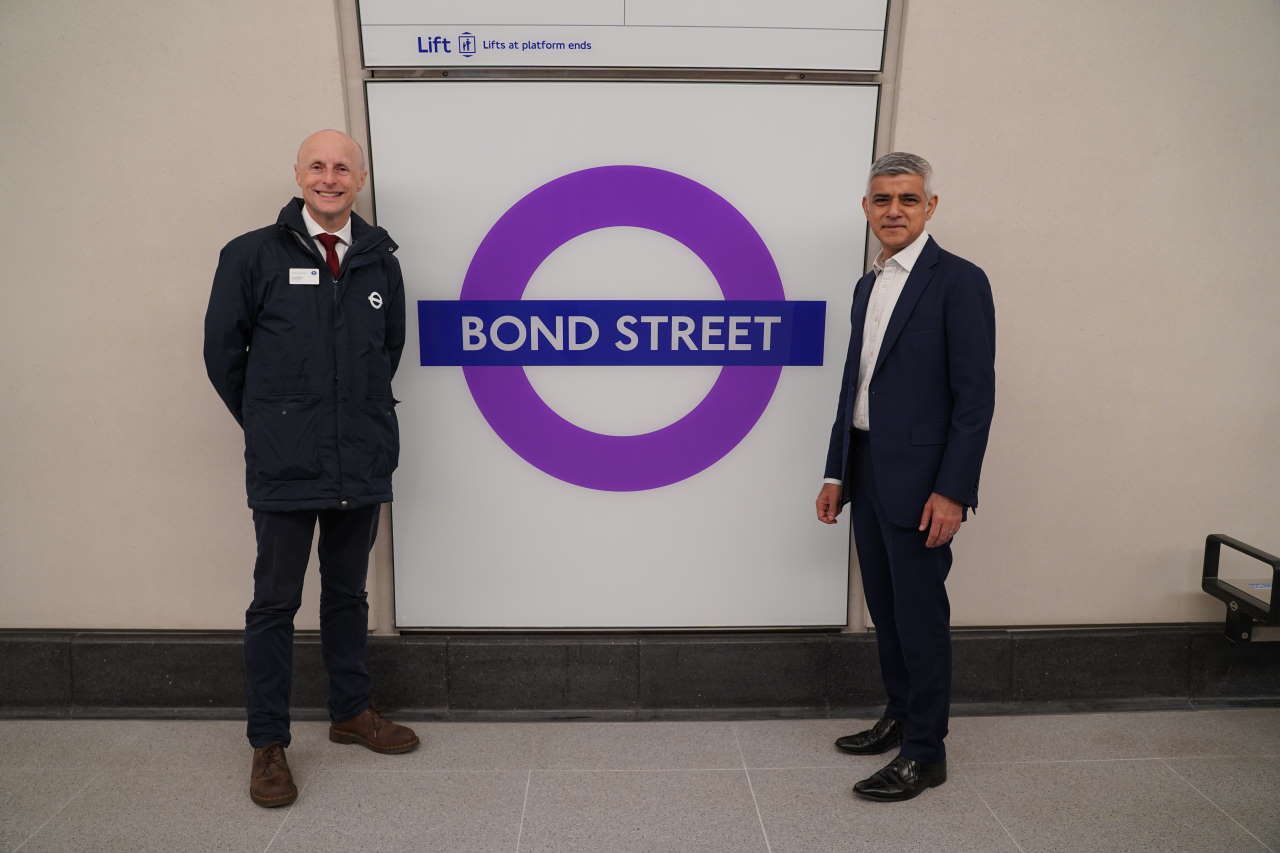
x: 897, y: 208
x: 330, y: 171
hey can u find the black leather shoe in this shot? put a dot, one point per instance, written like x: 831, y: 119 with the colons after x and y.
x: 902, y: 779
x: 882, y: 737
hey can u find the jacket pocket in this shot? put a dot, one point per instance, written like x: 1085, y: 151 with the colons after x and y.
x: 929, y: 434
x: 385, y: 434
x: 281, y: 433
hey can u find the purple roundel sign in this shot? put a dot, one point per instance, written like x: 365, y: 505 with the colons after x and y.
x: 605, y: 197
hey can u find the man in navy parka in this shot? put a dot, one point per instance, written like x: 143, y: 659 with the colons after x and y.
x: 304, y: 330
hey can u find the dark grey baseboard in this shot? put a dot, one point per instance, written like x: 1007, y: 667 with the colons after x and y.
x: 639, y: 676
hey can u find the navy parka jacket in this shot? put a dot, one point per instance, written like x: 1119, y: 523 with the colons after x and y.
x: 306, y: 368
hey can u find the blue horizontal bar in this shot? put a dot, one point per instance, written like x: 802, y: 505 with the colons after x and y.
x: 621, y: 332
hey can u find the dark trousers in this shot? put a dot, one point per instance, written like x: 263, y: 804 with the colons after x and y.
x: 284, y: 548
x: 904, y: 586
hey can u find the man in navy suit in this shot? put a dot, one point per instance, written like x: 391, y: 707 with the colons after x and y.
x: 906, y: 449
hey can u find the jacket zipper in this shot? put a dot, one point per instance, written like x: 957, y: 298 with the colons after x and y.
x: 350, y: 255
x: 309, y: 245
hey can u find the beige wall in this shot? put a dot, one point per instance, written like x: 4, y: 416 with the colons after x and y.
x: 139, y: 138
x: 1111, y: 165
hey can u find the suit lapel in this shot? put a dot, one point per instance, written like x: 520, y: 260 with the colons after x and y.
x: 858, y: 317
x: 917, y: 283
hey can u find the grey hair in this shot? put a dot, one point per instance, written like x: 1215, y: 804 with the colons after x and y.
x: 902, y: 163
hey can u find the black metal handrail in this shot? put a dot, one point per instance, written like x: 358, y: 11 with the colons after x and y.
x: 1244, y: 610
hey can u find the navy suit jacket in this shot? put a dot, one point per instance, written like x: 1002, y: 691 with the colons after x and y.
x: 932, y: 389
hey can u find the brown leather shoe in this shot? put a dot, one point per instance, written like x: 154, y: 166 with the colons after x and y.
x: 270, y: 782
x: 374, y: 731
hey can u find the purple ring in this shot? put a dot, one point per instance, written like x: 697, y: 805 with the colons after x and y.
x: 640, y: 197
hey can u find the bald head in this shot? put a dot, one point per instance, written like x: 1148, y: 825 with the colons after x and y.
x: 330, y: 170
x: 332, y: 137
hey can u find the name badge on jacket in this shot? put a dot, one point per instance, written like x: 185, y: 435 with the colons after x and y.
x: 304, y: 276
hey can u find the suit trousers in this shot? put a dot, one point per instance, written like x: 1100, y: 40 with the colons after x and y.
x: 284, y: 548
x: 904, y: 584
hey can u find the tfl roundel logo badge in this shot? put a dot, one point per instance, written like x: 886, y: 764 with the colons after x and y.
x: 493, y: 334
x: 375, y: 299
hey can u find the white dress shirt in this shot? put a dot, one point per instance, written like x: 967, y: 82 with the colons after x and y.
x: 891, y: 277
x: 343, y: 234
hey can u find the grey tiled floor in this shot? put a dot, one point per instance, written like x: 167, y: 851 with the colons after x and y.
x: 1206, y: 780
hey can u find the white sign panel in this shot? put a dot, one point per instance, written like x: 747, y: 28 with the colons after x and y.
x: 842, y: 35
x: 628, y: 312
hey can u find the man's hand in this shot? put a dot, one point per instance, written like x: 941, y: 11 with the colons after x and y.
x: 829, y: 503
x: 941, y: 517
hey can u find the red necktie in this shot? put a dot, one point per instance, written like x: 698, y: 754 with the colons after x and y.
x: 330, y: 255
